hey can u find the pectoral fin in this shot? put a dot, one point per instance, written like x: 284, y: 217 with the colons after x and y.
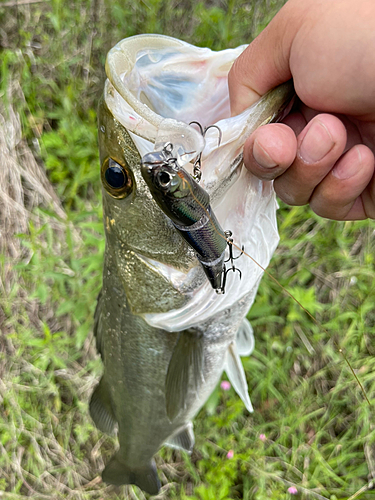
x: 116, y: 472
x: 245, y: 339
x: 101, y: 409
x: 98, y: 330
x: 236, y: 375
x: 185, y: 369
x: 183, y: 440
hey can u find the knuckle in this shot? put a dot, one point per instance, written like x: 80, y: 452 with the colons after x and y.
x: 321, y: 210
x: 330, y: 209
x: 289, y: 198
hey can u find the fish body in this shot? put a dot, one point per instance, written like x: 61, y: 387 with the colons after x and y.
x: 144, y: 364
x: 164, y: 335
x: 187, y: 204
x: 132, y: 391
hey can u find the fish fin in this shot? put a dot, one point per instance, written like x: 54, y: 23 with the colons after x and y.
x: 183, y: 440
x: 236, y: 375
x: 245, y: 338
x: 185, y: 366
x: 101, y: 409
x: 97, y: 324
x: 116, y: 472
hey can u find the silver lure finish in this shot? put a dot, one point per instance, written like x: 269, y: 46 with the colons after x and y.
x: 187, y: 204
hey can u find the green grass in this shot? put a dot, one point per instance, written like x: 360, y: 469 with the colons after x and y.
x: 319, y: 429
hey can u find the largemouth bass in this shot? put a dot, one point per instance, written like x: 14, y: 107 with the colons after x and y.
x: 164, y: 335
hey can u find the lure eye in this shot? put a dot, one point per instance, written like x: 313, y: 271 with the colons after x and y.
x: 164, y: 179
x: 116, y: 179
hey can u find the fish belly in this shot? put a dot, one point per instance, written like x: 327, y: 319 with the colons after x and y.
x: 133, y: 392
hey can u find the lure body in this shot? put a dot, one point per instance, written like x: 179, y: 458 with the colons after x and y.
x: 187, y: 204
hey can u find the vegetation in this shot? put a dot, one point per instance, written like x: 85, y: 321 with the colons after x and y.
x: 312, y: 428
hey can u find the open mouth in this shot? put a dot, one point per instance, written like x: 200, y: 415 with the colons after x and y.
x: 155, y: 94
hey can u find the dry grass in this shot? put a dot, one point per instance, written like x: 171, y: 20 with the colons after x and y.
x: 320, y: 431
x: 23, y: 181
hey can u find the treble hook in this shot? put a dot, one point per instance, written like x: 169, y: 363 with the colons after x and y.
x: 198, y: 164
x: 231, y: 258
x: 218, y: 129
x: 228, y: 235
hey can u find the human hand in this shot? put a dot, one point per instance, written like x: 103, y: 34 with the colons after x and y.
x: 323, y: 153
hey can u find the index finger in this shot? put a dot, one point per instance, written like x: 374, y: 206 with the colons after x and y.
x: 263, y: 65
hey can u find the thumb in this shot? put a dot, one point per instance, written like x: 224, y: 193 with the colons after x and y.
x: 264, y: 64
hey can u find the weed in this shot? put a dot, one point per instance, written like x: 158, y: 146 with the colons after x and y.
x: 311, y: 427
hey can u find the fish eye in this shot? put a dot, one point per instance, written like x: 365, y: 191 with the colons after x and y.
x: 116, y: 179
x: 115, y: 176
x: 164, y: 178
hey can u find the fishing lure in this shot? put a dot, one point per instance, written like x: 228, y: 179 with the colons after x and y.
x: 187, y: 204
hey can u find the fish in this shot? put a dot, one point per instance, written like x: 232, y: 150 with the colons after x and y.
x: 165, y: 337
x: 187, y: 204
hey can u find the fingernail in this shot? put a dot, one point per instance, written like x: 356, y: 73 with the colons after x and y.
x: 344, y: 170
x: 316, y: 144
x: 262, y: 157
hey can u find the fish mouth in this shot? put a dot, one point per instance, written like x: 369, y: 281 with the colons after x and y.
x: 142, y: 96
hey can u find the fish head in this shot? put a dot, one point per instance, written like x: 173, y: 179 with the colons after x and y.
x: 141, y: 243
x: 157, y: 89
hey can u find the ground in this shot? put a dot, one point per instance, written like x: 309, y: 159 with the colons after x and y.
x: 313, y: 426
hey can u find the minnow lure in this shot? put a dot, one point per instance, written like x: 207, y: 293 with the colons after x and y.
x: 187, y: 204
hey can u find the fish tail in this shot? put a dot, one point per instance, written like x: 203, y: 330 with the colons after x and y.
x: 146, y: 477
